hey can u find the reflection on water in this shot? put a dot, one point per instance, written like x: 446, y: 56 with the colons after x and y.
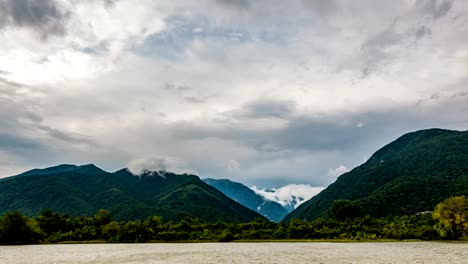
x: 397, y: 252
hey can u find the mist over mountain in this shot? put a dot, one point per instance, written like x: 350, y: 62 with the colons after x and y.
x: 289, y: 196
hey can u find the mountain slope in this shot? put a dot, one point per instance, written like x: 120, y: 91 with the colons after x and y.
x: 248, y: 198
x: 411, y: 174
x: 82, y: 190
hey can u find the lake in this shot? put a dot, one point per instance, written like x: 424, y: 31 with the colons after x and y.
x: 381, y: 252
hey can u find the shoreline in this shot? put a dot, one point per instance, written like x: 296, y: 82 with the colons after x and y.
x: 254, y: 241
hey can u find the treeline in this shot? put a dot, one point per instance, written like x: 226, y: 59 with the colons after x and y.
x: 345, y: 221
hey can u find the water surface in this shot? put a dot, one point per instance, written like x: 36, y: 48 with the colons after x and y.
x: 395, y: 252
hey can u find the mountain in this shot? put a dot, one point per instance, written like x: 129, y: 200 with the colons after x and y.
x: 248, y: 198
x: 411, y: 174
x: 82, y: 190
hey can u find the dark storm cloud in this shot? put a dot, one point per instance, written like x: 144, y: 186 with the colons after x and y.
x: 43, y: 16
x: 7, y: 87
x: 325, y: 7
x: 435, y: 8
x: 237, y: 4
x: 345, y: 132
x: 301, y: 132
x: 401, y: 28
x: 177, y: 87
x: 259, y: 13
x: 23, y: 134
x: 14, y: 143
x: 110, y: 3
x: 423, y: 31
x: 194, y: 99
x: 266, y: 109
x: 19, y: 135
x: 324, y: 133
x: 5, y: 81
x: 455, y: 92
x: 188, y: 93
x: 374, y: 52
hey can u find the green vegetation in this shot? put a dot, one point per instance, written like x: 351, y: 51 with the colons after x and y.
x: 343, y: 210
x: 17, y: 229
x: 410, y: 175
x: 342, y: 224
x: 82, y: 190
x: 452, y: 217
x: 388, y: 197
x: 248, y: 198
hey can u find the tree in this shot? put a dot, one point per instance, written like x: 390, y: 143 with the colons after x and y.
x: 226, y: 236
x: 51, y: 222
x: 452, y: 217
x: 154, y: 224
x: 103, y: 217
x: 17, y: 229
x: 344, y: 209
x: 110, y: 232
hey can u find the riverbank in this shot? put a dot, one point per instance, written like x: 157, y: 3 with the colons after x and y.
x: 264, y: 241
x: 56, y: 228
x: 238, y: 252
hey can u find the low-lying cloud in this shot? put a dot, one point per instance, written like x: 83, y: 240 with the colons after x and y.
x: 289, y: 196
x: 157, y: 164
x: 336, y: 172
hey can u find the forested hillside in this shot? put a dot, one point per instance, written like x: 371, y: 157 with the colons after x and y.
x: 410, y: 175
x: 82, y: 190
x: 248, y: 198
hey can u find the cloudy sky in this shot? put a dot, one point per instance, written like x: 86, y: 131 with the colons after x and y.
x: 262, y: 92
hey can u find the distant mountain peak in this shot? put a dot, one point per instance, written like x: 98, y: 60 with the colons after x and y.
x: 247, y: 197
x: 124, y: 170
x: 89, y: 168
x: 49, y: 170
x: 407, y: 140
x: 90, y: 165
x: 63, y: 168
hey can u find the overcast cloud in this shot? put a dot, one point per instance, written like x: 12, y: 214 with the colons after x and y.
x: 267, y: 93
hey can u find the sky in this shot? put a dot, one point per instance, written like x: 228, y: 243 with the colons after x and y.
x: 267, y: 93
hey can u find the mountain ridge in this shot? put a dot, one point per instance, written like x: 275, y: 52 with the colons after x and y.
x: 247, y: 197
x: 82, y: 190
x: 409, y: 175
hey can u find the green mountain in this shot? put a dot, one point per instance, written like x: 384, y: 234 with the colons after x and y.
x: 410, y: 175
x: 248, y: 198
x: 82, y: 190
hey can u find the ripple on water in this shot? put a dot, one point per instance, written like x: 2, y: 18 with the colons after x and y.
x: 395, y: 252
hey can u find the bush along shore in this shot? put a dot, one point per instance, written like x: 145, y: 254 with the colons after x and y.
x: 345, y: 222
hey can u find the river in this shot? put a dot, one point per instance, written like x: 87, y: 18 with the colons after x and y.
x: 289, y: 253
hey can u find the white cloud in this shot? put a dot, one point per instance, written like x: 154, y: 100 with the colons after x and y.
x: 95, y: 36
x: 336, y: 172
x: 154, y: 163
x: 289, y: 196
x: 233, y: 166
